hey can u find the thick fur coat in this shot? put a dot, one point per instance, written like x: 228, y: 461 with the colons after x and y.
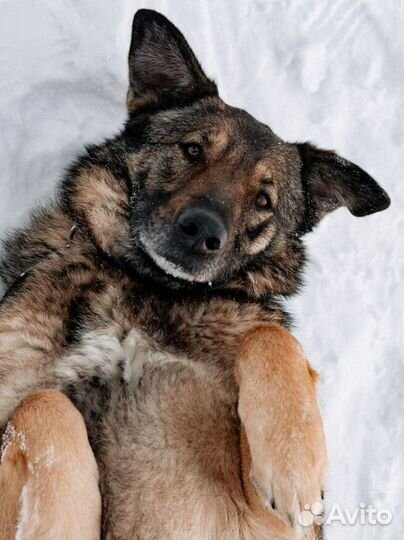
x: 166, y: 331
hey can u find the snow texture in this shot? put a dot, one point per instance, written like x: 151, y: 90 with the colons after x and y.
x: 330, y: 71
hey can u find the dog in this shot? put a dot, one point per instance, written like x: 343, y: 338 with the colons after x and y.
x: 149, y: 386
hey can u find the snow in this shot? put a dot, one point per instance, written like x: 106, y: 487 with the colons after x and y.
x: 330, y: 71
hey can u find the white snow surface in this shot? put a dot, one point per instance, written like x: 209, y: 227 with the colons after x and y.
x: 328, y: 71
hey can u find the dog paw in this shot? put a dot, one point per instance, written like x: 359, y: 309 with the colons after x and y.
x: 280, y: 415
x: 293, y: 494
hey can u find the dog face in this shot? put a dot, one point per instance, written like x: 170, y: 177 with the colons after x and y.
x: 215, y: 195
x: 219, y: 189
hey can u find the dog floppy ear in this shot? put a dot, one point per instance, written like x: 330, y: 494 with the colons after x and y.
x: 163, y: 70
x: 330, y: 181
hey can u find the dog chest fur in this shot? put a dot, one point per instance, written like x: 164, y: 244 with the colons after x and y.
x: 174, y: 406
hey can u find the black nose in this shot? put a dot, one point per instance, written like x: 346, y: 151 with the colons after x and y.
x: 201, y: 230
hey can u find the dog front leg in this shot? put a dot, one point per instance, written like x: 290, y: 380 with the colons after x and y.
x: 48, y: 475
x: 282, y: 444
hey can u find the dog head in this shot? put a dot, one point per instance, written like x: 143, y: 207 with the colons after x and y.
x: 214, y: 196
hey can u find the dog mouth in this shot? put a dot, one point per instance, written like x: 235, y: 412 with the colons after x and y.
x: 173, y: 268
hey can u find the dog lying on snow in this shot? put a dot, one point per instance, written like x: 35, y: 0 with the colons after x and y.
x: 144, y: 355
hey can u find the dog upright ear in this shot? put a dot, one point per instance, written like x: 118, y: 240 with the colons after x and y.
x: 163, y: 70
x: 330, y: 181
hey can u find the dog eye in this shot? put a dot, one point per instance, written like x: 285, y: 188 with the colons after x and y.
x: 262, y: 201
x: 193, y: 151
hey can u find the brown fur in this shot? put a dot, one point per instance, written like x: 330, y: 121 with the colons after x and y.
x: 199, y: 407
x: 48, y: 473
x: 271, y: 363
x: 207, y: 391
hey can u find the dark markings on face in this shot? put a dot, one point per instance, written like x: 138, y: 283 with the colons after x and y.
x: 196, y: 192
x: 215, y: 161
x: 255, y: 232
